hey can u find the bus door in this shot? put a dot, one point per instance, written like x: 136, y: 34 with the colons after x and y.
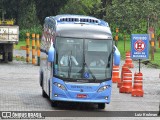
x: 43, y: 60
x: 48, y: 77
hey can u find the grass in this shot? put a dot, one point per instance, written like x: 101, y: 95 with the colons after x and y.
x: 22, y: 43
x: 123, y: 47
x: 156, y: 60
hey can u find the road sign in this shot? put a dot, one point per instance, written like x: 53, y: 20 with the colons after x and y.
x: 139, y: 46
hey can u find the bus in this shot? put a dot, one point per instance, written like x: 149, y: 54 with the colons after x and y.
x: 86, y: 39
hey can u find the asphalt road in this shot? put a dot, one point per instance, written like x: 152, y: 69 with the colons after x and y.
x: 20, y: 91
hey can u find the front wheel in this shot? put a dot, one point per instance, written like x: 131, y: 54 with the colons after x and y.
x: 53, y: 103
x: 101, y: 105
x: 44, y: 94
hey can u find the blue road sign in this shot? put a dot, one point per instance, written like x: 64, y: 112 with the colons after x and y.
x: 139, y: 46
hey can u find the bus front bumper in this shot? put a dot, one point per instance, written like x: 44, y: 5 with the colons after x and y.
x: 88, y: 97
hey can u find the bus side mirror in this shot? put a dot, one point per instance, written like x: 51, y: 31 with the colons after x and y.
x: 117, y: 56
x: 51, y: 54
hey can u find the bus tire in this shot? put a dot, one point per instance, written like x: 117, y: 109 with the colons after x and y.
x: 44, y: 94
x: 53, y: 103
x: 101, y: 105
x: 41, y: 79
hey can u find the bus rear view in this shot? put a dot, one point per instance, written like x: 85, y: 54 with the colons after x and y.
x: 76, y: 60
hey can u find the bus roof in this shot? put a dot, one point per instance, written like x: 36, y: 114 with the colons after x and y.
x: 83, y: 31
x: 81, y: 26
x: 69, y: 18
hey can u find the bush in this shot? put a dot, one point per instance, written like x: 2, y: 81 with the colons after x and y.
x: 36, y: 30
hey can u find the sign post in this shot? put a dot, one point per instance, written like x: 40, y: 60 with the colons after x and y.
x: 116, y: 37
x: 139, y: 47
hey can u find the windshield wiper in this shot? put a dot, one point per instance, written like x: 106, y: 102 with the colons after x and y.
x: 109, y: 60
x: 69, y: 64
x: 89, y: 70
x: 85, y: 64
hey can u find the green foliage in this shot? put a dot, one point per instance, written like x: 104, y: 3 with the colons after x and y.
x: 130, y: 15
x: 29, y: 13
x: 20, y: 43
x: 36, y: 30
x: 83, y: 7
x: 28, y: 18
x: 126, y: 14
x: 48, y: 8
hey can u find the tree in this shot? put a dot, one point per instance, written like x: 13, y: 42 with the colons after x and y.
x: 27, y: 15
x: 28, y: 12
x: 131, y: 15
x: 10, y: 9
x: 83, y: 7
x: 48, y: 8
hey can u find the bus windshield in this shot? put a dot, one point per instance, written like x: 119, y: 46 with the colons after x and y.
x: 83, y: 59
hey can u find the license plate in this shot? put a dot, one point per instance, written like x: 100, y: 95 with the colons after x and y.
x: 81, y: 95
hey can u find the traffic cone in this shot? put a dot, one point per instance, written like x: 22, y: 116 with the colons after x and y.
x: 138, y: 85
x: 119, y: 82
x: 128, y: 60
x: 127, y: 82
x: 115, y: 74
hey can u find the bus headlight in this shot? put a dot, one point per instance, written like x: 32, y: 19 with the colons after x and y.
x: 103, y: 88
x: 59, y: 85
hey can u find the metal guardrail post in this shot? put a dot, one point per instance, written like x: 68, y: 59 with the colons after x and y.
x: 38, y: 49
x: 27, y: 47
x: 116, y: 37
x: 152, y: 46
x: 33, y: 49
x: 124, y: 41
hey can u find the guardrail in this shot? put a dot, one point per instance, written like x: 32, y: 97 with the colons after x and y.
x: 35, y: 48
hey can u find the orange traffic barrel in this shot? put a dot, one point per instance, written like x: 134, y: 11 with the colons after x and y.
x: 119, y: 82
x: 127, y: 82
x: 115, y: 74
x: 138, y: 85
x: 128, y: 60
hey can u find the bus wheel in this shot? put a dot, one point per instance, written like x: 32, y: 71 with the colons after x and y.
x: 41, y: 79
x: 53, y: 104
x: 101, y: 105
x: 44, y: 94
